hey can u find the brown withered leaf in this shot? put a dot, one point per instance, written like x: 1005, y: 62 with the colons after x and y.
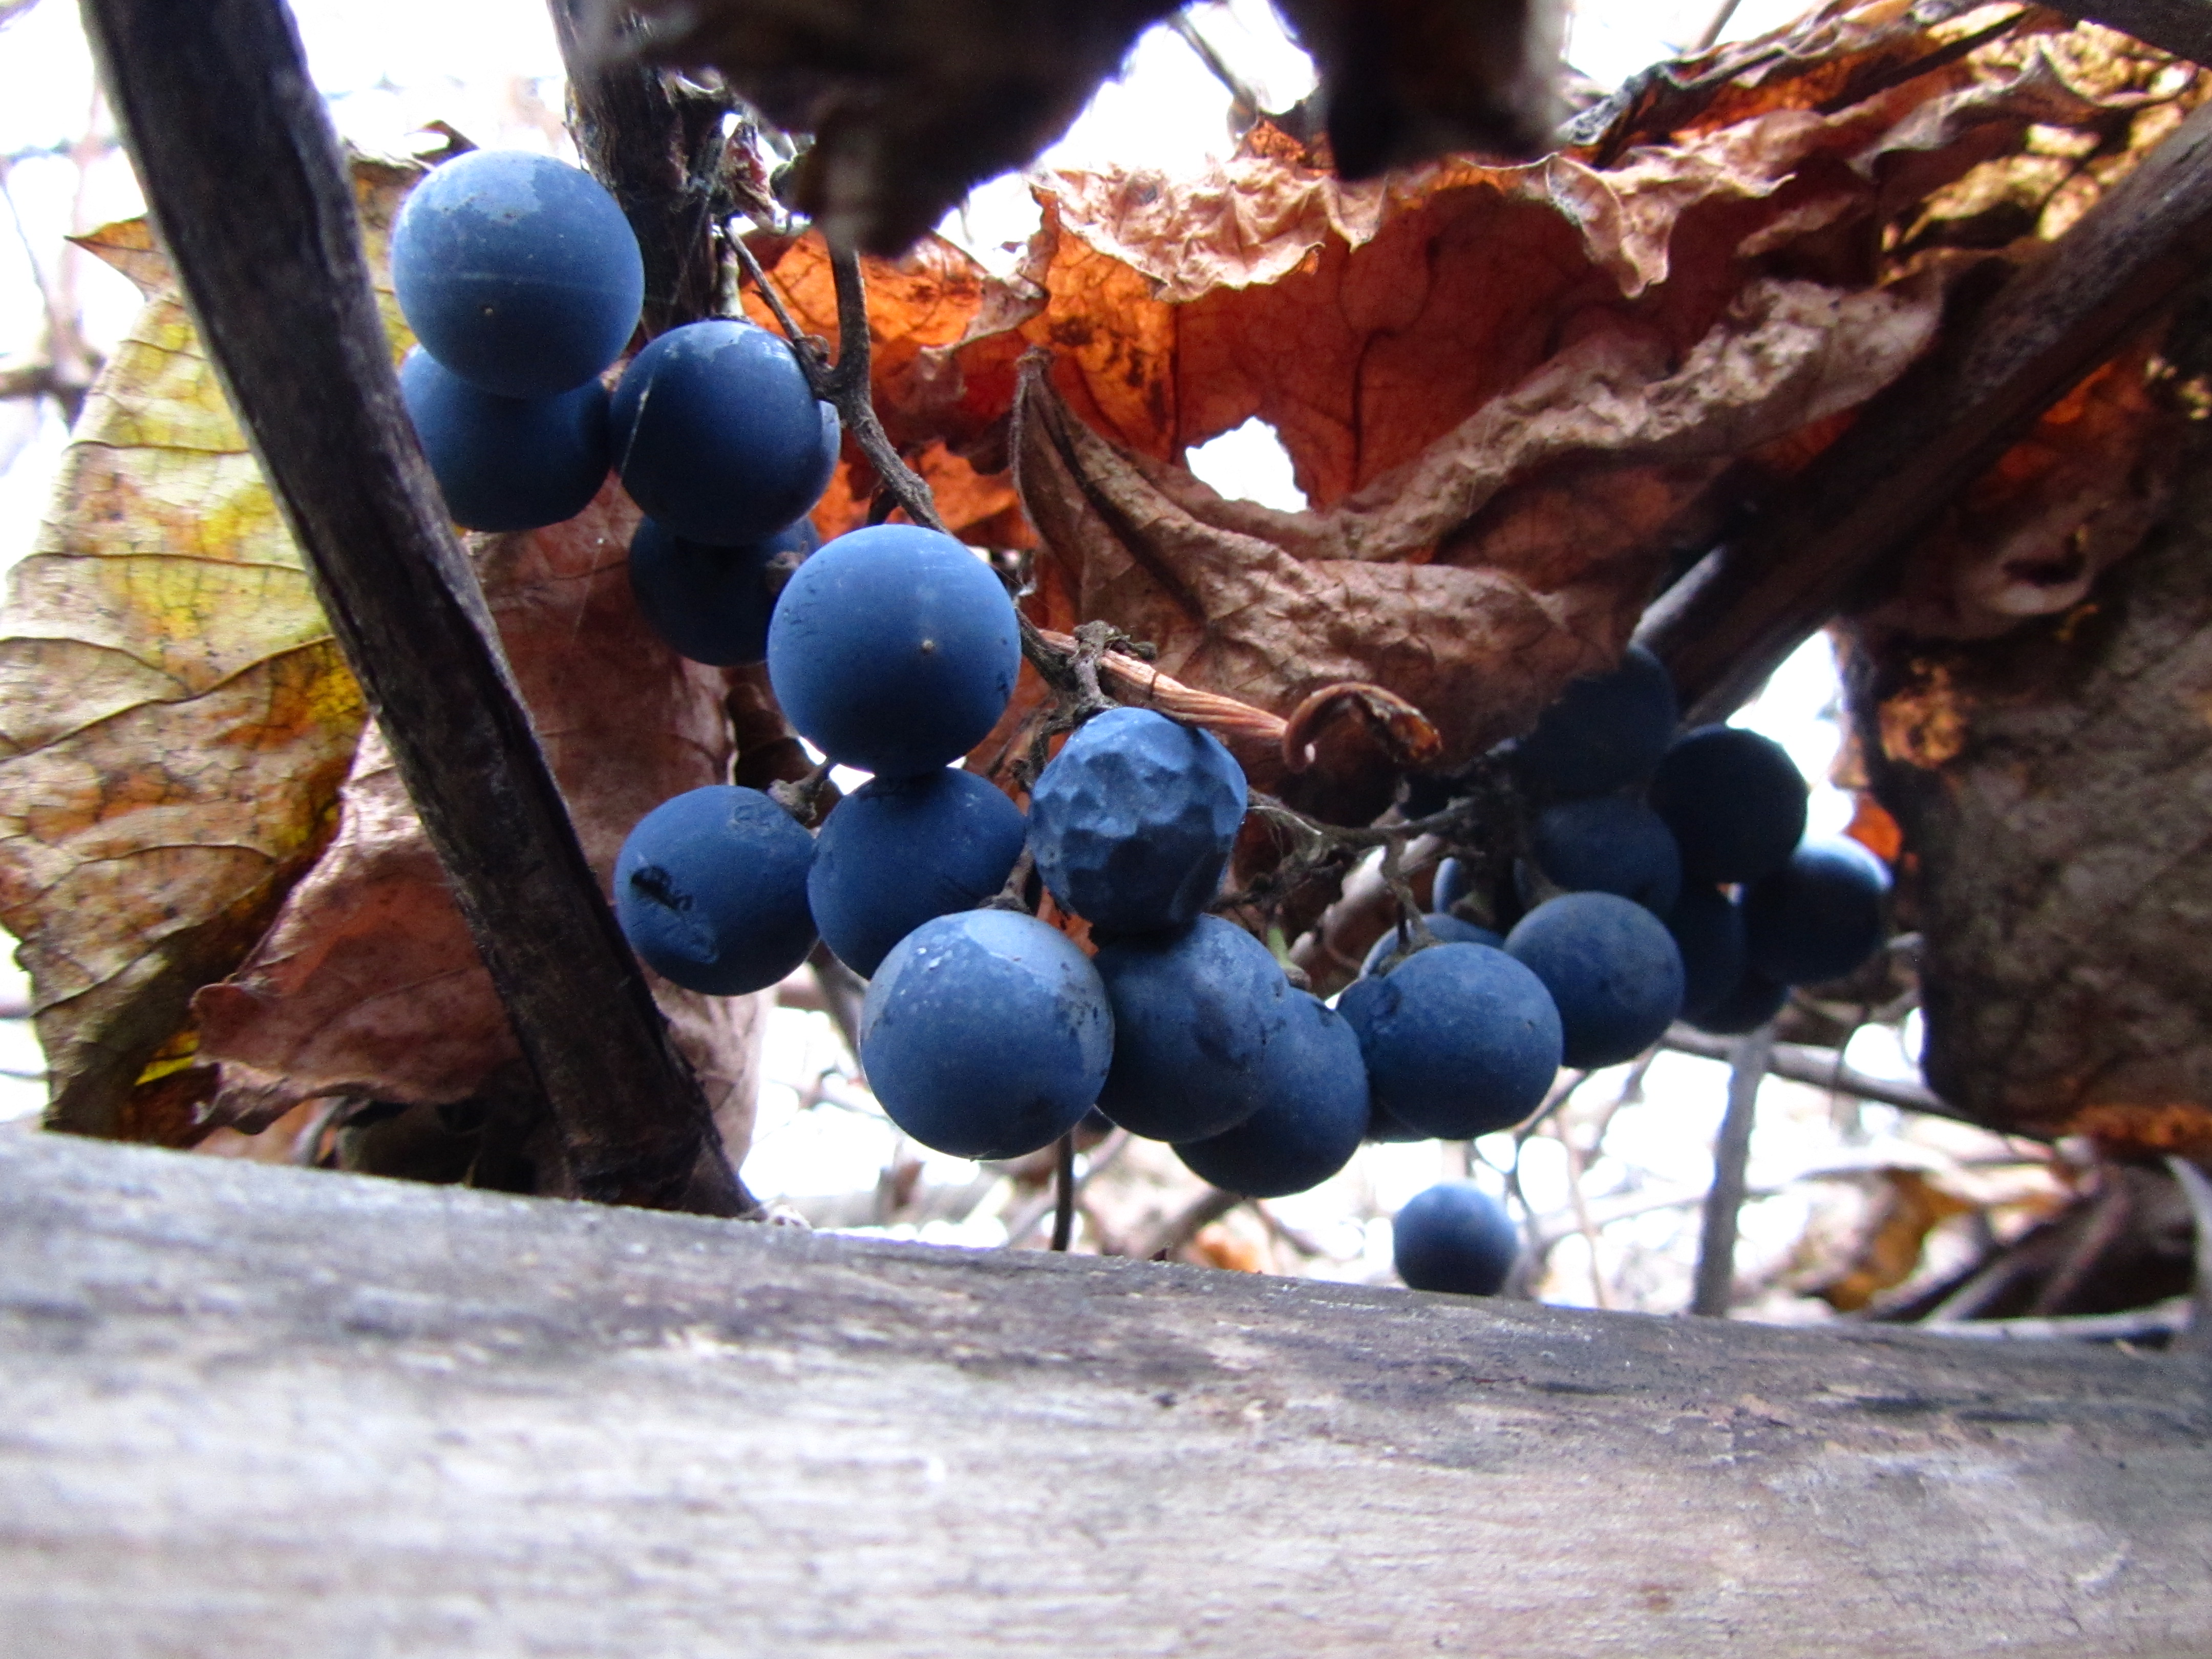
x: 915, y: 102
x: 174, y: 719
x: 1364, y: 322
x: 367, y: 984
x: 1512, y: 555
x: 1911, y: 1206
x: 911, y: 103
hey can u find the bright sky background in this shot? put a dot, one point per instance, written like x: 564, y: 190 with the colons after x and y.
x: 491, y: 69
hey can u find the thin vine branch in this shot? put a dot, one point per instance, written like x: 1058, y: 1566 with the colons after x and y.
x: 1098, y: 666
x: 1063, y: 1194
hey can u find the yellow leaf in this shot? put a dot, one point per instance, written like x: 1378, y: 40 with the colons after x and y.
x: 175, y: 720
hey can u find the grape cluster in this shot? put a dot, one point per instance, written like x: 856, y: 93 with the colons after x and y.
x: 1663, y: 875
x: 523, y: 284
x: 987, y: 1033
x: 1669, y: 875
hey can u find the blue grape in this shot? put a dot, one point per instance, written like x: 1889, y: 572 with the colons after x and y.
x: 1459, y: 1040
x: 1609, y: 844
x: 986, y: 1034
x: 1455, y: 1238
x: 1195, y: 1013
x: 717, y: 435
x: 1355, y: 1002
x: 1708, y: 929
x: 1612, y: 968
x: 898, y: 851
x: 1133, y: 821
x: 1454, y: 882
x: 517, y: 272
x: 1604, y: 732
x: 1819, y: 916
x: 710, y: 889
x: 1311, y: 1123
x: 506, y: 463
x: 1450, y: 930
x: 1734, y: 800
x: 710, y: 604
x: 1750, y: 1002
x: 894, y: 649
x: 1389, y: 1130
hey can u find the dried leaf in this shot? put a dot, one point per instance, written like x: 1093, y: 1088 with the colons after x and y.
x: 1911, y: 1207
x: 174, y: 719
x: 369, y: 984
x: 913, y: 104
x: 910, y: 104
x: 1513, y: 554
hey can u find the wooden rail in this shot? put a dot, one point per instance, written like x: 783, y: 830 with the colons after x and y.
x: 270, y: 1413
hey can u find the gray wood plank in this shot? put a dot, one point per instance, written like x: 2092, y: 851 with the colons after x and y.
x: 266, y: 1412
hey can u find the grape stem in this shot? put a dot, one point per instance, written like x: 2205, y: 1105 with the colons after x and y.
x: 1098, y: 666
x: 802, y: 797
x: 1063, y: 1200
x: 844, y: 386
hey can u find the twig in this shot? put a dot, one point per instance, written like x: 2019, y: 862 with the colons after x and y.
x: 1563, y: 1090
x: 843, y: 994
x: 1823, y: 1068
x: 1632, y: 1086
x: 2196, y: 1188
x: 1063, y: 1188
x: 809, y: 346
x: 843, y: 385
x: 2109, y: 1217
x: 1102, y: 1158
x: 1286, y: 1234
x: 1576, y: 1167
x: 1244, y: 102
x: 2172, y: 1318
x: 802, y: 797
x: 1983, y: 1288
x: 1179, y: 1229
x: 1715, y: 1280
x: 1721, y: 15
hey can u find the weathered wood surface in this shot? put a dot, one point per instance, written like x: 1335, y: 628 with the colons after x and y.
x: 254, y: 1412
x: 1728, y: 623
x: 242, y: 169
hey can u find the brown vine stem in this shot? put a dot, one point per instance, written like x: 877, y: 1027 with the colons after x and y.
x: 1063, y: 1189
x: 844, y: 385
